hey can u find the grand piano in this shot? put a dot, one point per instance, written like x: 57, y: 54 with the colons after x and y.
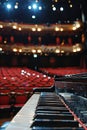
x: 60, y: 107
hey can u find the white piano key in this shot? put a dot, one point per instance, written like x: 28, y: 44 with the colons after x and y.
x: 24, y: 118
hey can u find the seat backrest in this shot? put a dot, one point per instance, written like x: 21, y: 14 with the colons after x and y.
x: 21, y: 98
x: 4, y: 99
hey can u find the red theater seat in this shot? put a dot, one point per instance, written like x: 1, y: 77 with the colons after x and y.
x: 20, y: 100
x: 4, y: 105
x: 4, y: 99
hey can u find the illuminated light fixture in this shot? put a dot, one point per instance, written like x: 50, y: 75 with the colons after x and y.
x: 5, y: 41
x: 74, y: 28
x: 70, y: 5
x: 16, y: 6
x: 69, y: 1
x: 33, y: 29
x: 56, y: 0
x: 61, y: 8
x: 39, y: 51
x: 33, y: 16
x: 29, y: 7
x: 78, y: 49
x: 56, y: 29
x: 74, y: 50
x: 77, y: 25
x: 14, y: 50
x: 14, y: 27
x: 1, y: 26
x: 57, y: 51
x: 40, y: 8
x: 19, y: 29
x: 38, y: 29
x: 35, y: 55
x: 0, y: 49
x: 9, y: 6
x: 33, y: 51
x: 61, y: 29
x: 34, y: 6
x: 54, y: 8
x: 20, y: 50
x: 37, y: 0
x: 62, y: 51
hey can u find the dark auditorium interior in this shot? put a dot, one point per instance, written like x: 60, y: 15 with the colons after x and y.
x: 43, y: 65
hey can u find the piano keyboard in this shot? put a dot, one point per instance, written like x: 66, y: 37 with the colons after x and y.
x: 51, y: 114
x: 44, y: 111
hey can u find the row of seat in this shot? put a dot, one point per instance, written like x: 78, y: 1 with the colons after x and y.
x: 16, y: 86
x: 63, y: 70
x: 11, y: 103
x: 23, y: 77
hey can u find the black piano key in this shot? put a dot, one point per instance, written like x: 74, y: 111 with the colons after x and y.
x: 54, y: 123
x: 53, y: 116
x: 56, y: 128
x: 54, y: 112
x: 50, y: 104
x: 48, y: 108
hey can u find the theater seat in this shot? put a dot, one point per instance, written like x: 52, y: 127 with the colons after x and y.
x: 4, y: 105
x: 20, y: 100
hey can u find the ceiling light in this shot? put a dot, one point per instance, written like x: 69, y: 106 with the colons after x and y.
x: 14, y: 27
x: 8, y: 6
x: 29, y: 7
x: 14, y: 50
x: 33, y: 29
x: 1, y: 26
x: 16, y: 6
x: 0, y: 49
x: 34, y: 6
x: 56, y: 29
x: 33, y: 51
x: 54, y: 8
x: 38, y: 29
x: 61, y: 8
x: 40, y: 8
x: 33, y: 16
x: 57, y: 51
